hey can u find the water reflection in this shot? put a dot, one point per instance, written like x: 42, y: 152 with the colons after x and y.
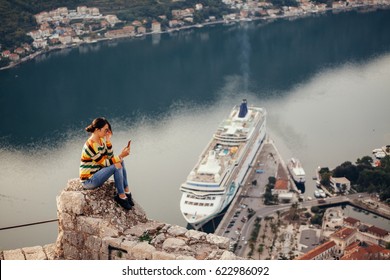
x: 320, y: 110
x: 156, y: 38
x: 315, y: 122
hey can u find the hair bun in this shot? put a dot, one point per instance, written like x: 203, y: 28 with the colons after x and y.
x: 90, y: 128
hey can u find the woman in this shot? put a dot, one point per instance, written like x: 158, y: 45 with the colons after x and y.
x: 98, y: 162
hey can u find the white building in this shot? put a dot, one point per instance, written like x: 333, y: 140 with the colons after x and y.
x: 39, y: 43
x: 156, y: 27
x: 341, y: 184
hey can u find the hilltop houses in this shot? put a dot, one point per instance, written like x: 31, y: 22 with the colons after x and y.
x: 62, y: 26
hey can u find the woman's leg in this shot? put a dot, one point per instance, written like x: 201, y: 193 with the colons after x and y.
x: 125, y: 183
x: 99, y: 177
x: 119, y: 181
x: 119, y: 178
x: 102, y: 176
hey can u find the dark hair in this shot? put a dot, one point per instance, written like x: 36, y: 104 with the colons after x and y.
x: 98, y: 123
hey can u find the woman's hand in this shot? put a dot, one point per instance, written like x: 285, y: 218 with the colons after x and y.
x: 125, y: 152
x: 108, y: 136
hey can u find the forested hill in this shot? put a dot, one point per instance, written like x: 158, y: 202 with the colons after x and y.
x: 17, y: 16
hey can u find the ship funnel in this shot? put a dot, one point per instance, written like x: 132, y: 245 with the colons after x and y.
x: 243, y: 109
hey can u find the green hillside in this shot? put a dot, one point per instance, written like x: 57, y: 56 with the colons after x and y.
x: 17, y: 16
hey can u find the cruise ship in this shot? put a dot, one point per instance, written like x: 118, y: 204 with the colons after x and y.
x: 220, y: 170
x: 296, y: 170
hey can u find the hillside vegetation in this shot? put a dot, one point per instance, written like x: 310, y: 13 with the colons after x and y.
x: 17, y: 16
x: 367, y: 178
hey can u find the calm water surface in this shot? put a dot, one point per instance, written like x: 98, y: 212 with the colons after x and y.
x: 324, y: 81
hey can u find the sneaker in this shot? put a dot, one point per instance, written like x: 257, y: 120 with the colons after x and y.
x: 123, y: 202
x: 129, y: 199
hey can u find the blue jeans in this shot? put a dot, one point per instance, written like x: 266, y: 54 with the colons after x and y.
x: 98, y: 179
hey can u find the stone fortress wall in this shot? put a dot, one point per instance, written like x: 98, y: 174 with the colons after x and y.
x: 92, y: 226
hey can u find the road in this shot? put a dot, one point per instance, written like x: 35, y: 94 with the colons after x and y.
x: 267, y: 163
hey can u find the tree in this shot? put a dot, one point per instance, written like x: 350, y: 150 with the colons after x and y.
x: 4, y: 62
x: 271, y: 180
x: 365, y: 161
x: 347, y: 170
x: 325, y: 178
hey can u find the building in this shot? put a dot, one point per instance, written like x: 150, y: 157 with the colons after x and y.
x: 112, y: 20
x: 325, y: 251
x: 180, y: 14
x: 282, y: 189
x: 129, y: 30
x: 199, y: 7
x: 6, y: 53
x: 20, y: 51
x: 175, y: 23
x: 14, y: 57
x: 365, y: 251
x: 36, y: 34
x: 341, y: 184
x: 42, y: 17
x: 141, y: 30
x: 156, y: 27
x: 281, y: 186
x: 65, y: 39
x: 343, y: 238
x: 40, y: 43
x: 351, y: 222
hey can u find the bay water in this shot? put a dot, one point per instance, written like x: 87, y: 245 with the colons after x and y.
x: 324, y: 81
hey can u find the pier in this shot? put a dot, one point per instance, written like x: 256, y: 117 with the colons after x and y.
x: 250, y: 195
x: 248, y: 207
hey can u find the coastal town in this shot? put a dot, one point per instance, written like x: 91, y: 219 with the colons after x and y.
x: 290, y: 226
x: 63, y: 27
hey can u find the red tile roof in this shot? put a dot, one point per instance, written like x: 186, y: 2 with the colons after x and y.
x: 351, y: 221
x: 365, y: 251
x: 317, y: 251
x: 344, y: 233
x: 377, y: 231
x: 281, y: 185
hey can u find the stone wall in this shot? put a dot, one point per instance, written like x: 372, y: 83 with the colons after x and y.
x: 46, y: 252
x: 93, y: 226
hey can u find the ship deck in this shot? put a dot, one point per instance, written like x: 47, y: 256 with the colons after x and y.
x: 226, y: 148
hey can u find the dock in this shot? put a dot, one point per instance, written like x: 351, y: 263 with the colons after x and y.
x: 247, y: 208
x: 250, y: 195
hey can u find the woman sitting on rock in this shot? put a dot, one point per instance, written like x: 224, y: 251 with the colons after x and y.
x: 98, y: 162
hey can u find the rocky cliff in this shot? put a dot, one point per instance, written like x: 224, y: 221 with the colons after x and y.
x: 93, y: 226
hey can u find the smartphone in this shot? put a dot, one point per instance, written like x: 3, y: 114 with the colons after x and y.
x: 128, y: 144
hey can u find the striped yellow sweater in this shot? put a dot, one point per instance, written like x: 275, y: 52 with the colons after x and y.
x: 95, y: 156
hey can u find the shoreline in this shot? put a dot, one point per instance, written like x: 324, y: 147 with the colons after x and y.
x: 369, y: 7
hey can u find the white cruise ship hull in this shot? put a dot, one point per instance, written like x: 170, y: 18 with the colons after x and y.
x: 201, y: 202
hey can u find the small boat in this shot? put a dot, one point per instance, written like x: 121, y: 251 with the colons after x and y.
x: 380, y: 155
x: 296, y: 170
x: 322, y: 193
